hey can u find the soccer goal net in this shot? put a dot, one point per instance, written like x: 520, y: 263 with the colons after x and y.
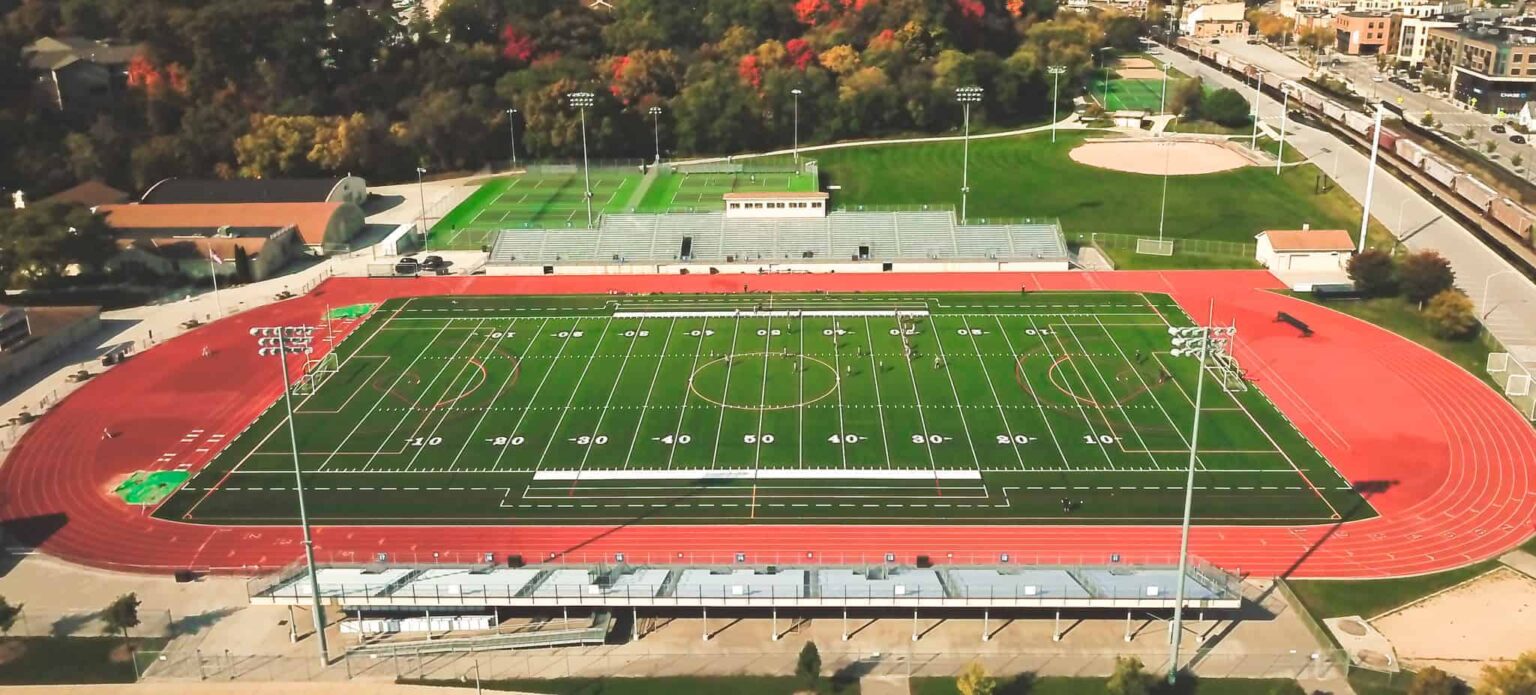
x: 315, y: 373
x: 1154, y: 247
x: 1514, y: 378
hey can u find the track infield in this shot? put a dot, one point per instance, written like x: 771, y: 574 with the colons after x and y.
x: 1052, y: 407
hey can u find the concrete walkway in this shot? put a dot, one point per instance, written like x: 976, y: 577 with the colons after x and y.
x: 1520, y: 561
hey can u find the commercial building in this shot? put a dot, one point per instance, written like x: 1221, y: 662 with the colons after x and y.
x: 1221, y: 19
x: 1361, y: 33
x: 1491, y: 67
x: 1412, y: 40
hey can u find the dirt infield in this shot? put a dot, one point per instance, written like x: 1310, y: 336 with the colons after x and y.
x: 1482, y: 621
x: 1174, y: 157
x: 1138, y: 69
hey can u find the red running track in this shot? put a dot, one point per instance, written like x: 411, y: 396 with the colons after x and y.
x: 1449, y: 463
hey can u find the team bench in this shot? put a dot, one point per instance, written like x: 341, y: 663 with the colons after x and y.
x: 1282, y: 317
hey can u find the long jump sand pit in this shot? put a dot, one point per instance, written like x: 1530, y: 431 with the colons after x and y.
x: 1174, y: 157
x: 1484, y: 620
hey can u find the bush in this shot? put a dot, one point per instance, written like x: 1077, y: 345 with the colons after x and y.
x: 1185, y: 102
x: 1425, y: 274
x: 809, y: 664
x: 1373, y: 273
x: 1514, y: 678
x: 975, y: 681
x: 1129, y: 678
x: 1225, y: 107
x: 1433, y: 681
x: 1451, y: 314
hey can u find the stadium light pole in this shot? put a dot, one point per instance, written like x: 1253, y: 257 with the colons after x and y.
x: 1105, y: 59
x: 1370, y: 182
x: 581, y: 101
x: 512, y: 133
x: 421, y: 197
x: 966, y: 96
x: 1055, y: 71
x: 278, y: 341
x: 1202, y: 336
x: 1162, y: 100
x: 655, y: 112
x: 796, y: 92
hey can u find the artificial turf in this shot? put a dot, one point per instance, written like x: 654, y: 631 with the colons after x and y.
x: 532, y: 200
x: 685, y: 192
x: 1049, y: 407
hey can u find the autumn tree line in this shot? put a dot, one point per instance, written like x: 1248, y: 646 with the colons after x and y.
x: 302, y: 88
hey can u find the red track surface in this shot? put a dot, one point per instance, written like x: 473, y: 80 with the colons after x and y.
x: 1451, y: 463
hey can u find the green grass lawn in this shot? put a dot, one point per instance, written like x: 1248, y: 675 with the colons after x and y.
x: 69, y: 660
x: 1029, y: 176
x: 1369, y: 598
x: 675, y: 685
x: 477, y: 409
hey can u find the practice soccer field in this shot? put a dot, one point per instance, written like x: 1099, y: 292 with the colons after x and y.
x: 685, y: 192
x: 531, y: 200
x: 943, y: 408
x: 1133, y: 95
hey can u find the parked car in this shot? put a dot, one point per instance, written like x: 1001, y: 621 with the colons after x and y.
x: 432, y: 263
x: 407, y: 266
x: 1517, y: 138
x: 1499, y: 128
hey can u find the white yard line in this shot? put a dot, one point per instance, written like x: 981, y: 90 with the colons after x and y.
x: 1087, y: 421
x: 800, y: 441
x: 1166, y: 415
x: 997, y: 400
x: 682, y: 410
x: 464, y: 392
x: 965, y: 424
x: 597, y: 427
x: 384, y: 395
x: 473, y: 433
x: 922, y: 417
x: 762, y: 399
x: 1017, y: 360
x: 555, y: 431
x: 640, y: 422
x: 874, y: 372
x: 528, y: 407
x: 725, y: 394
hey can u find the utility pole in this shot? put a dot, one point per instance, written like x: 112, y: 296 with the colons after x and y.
x: 966, y: 96
x: 796, y: 92
x: 1285, y: 114
x: 1370, y: 182
x: 512, y: 133
x: 421, y: 197
x: 1055, y: 71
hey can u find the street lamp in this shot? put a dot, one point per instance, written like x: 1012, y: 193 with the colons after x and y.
x: 796, y: 92
x: 1370, y: 181
x: 1188, y: 341
x: 421, y: 197
x: 1253, y: 140
x: 1285, y: 113
x: 1055, y: 71
x: 1106, y: 76
x: 278, y: 341
x: 512, y: 133
x: 966, y: 96
x: 581, y: 101
x: 655, y: 112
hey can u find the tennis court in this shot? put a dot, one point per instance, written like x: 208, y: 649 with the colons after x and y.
x: 530, y: 201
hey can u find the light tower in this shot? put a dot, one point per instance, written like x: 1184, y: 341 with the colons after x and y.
x: 512, y: 133
x: 581, y: 101
x: 796, y: 92
x: 655, y: 112
x: 1056, y: 71
x: 966, y: 96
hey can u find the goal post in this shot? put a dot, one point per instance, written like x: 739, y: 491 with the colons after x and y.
x: 1154, y: 247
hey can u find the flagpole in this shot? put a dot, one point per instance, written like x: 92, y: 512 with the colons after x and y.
x: 213, y: 273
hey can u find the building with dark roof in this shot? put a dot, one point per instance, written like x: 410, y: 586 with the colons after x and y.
x: 175, y: 191
x: 91, y: 194
x: 197, y: 252
x: 77, y: 76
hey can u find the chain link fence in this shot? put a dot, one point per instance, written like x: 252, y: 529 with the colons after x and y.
x: 1201, y: 247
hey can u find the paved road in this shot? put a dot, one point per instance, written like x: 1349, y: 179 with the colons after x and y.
x: 1509, y: 304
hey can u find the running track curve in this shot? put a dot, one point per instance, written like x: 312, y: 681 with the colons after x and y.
x: 1448, y: 463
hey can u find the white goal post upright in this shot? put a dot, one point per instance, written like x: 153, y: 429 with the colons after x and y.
x: 1515, y: 380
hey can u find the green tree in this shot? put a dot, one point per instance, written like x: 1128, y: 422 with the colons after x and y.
x: 1452, y: 315
x: 8, y: 615
x: 1424, y: 274
x: 808, y: 666
x: 1517, y: 160
x: 975, y: 681
x: 1373, y: 272
x: 1517, y: 677
x: 1428, y: 120
x: 40, y: 243
x: 1129, y: 678
x: 1490, y: 147
x: 243, y: 272
x: 1225, y: 107
x: 1433, y: 681
x: 121, y: 615
x: 1185, y: 101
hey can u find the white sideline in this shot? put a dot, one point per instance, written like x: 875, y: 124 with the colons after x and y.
x: 777, y: 313
x: 761, y: 474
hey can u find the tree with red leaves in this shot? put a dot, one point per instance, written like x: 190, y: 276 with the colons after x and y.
x: 971, y: 9
x: 800, y: 53
x: 515, y: 45
x: 750, y: 71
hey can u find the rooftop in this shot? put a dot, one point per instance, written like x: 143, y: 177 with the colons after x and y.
x: 90, y: 194
x: 1309, y: 239
x: 56, y: 53
x: 769, y: 195
x: 182, y: 191
x: 311, y: 219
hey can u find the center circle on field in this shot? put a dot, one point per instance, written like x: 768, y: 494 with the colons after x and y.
x: 709, y: 380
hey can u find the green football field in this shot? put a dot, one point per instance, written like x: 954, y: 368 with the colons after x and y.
x: 530, y: 201
x: 943, y: 408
